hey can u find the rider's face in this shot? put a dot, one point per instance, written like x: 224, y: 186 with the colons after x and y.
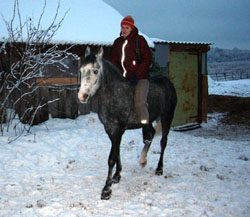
x: 126, y: 30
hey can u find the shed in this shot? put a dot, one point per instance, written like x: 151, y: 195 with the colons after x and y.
x: 185, y: 63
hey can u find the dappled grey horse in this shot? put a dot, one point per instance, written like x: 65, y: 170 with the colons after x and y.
x: 116, y: 108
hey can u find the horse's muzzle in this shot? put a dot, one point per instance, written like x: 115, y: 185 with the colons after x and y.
x: 83, y: 97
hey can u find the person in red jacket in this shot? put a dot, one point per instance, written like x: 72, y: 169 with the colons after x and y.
x: 124, y: 56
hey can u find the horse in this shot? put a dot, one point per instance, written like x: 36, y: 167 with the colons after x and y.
x: 116, y: 110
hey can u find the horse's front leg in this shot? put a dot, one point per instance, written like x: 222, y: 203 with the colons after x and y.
x: 116, y: 178
x: 114, y: 158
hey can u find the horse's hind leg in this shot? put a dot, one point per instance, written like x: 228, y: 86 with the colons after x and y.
x: 166, y: 120
x: 146, y: 147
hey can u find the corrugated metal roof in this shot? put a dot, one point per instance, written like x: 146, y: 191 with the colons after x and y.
x: 82, y: 42
x: 162, y: 41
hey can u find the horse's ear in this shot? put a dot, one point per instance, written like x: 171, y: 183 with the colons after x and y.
x: 87, y: 51
x: 100, y: 53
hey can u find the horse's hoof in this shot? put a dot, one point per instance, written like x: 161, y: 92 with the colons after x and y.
x: 106, y: 195
x: 116, y: 179
x: 143, y: 164
x: 159, y: 172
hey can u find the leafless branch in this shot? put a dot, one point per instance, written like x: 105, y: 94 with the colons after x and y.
x: 29, y: 56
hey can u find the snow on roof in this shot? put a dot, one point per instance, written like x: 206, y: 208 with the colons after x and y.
x: 87, y: 22
x: 162, y: 41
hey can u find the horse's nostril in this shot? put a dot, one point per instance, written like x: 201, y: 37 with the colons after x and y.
x: 85, y: 96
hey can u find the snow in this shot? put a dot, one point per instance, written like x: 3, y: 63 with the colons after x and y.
x: 239, y: 88
x: 61, y: 167
x: 86, y: 22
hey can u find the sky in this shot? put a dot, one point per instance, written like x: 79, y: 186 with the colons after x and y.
x: 226, y: 23
x: 223, y: 22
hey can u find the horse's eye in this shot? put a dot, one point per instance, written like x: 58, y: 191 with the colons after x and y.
x: 95, y: 71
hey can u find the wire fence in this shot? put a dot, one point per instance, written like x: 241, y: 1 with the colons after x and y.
x: 228, y: 76
x: 225, y: 71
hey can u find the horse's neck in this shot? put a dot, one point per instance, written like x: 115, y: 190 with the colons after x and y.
x: 113, y: 84
x: 111, y: 74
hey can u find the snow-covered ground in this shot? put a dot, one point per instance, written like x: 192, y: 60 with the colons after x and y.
x: 60, y: 170
x: 239, y: 88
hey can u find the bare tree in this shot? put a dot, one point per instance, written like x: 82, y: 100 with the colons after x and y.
x: 28, y: 50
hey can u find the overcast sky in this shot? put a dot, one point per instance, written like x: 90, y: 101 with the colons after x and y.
x: 223, y: 22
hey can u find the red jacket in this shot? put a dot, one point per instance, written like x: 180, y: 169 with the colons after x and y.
x: 125, y: 58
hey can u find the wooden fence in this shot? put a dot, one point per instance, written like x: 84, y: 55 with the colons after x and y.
x: 54, y: 101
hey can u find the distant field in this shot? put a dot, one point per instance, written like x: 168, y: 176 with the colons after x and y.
x: 234, y: 70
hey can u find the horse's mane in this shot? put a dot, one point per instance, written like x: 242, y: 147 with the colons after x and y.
x: 111, y: 73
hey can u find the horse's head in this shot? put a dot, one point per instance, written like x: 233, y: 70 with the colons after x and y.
x: 91, y: 75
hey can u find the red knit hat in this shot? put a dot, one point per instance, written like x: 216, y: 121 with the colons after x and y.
x: 129, y: 21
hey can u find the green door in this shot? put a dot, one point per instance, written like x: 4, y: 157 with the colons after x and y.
x: 183, y: 72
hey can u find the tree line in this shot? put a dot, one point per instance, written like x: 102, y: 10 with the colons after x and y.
x: 228, y: 55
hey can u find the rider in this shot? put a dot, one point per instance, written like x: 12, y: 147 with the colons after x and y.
x: 124, y: 56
